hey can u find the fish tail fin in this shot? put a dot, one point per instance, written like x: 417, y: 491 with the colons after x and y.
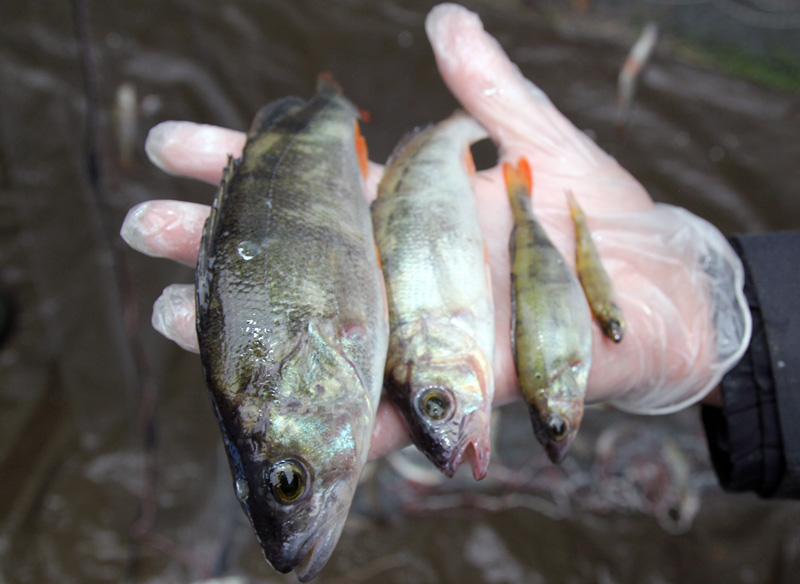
x: 574, y: 208
x: 519, y: 183
x: 579, y: 220
x: 518, y: 178
x: 327, y: 85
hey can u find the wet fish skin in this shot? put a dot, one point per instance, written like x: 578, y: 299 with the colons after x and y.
x: 550, y: 325
x: 596, y: 283
x: 441, y: 348
x: 291, y: 323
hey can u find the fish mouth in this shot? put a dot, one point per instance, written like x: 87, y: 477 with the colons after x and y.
x: 556, y: 449
x: 316, y: 551
x: 313, y: 560
x: 312, y: 556
x: 473, y: 445
x: 307, y: 557
x: 476, y: 452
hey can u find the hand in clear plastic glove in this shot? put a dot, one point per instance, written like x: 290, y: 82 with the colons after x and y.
x: 677, y: 280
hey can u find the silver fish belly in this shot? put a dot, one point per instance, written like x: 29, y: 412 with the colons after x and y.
x: 441, y: 348
x: 291, y: 323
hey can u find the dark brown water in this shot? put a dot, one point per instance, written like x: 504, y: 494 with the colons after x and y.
x: 110, y: 462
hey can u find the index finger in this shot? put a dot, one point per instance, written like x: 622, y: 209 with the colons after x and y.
x: 201, y: 151
x: 193, y: 150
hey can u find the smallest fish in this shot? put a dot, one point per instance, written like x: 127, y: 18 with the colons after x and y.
x: 596, y: 284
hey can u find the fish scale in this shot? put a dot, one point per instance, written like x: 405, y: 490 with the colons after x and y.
x: 441, y: 315
x: 550, y: 324
x: 291, y: 323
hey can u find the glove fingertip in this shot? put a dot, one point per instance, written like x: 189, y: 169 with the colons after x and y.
x: 174, y: 316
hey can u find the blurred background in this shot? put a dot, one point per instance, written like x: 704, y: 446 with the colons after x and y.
x: 111, y: 466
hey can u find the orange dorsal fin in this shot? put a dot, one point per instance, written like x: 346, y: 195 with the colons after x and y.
x: 361, y: 150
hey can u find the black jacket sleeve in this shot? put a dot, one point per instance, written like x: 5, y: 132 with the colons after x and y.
x: 754, y: 439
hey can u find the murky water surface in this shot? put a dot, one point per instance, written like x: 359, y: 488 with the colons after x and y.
x: 110, y: 462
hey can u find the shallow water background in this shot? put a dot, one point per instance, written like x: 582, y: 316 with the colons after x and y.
x: 111, y: 468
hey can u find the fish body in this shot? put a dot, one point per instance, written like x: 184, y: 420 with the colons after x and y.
x: 441, y: 346
x: 596, y: 284
x: 631, y: 71
x: 291, y: 323
x: 550, y: 324
x: 126, y: 123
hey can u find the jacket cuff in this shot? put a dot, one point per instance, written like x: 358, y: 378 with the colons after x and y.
x: 745, y: 436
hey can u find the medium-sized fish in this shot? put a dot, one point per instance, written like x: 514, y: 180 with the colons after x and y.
x: 551, y: 333
x: 291, y: 323
x: 596, y: 284
x: 441, y: 345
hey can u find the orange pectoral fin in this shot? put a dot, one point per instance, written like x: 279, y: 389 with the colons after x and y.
x: 361, y: 150
x: 469, y: 162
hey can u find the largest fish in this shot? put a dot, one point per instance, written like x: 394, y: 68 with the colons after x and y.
x: 291, y: 322
x: 441, y: 346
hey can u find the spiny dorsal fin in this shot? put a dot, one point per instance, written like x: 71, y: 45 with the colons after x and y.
x: 206, y: 252
x: 272, y: 112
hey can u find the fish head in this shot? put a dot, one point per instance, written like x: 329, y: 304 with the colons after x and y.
x: 612, y: 321
x: 557, y: 410
x: 446, y: 410
x: 296, y: 484
x: 296, y: 448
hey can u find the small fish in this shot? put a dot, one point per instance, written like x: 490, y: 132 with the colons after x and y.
x: 126, y: 123
x: 631, y: 70
x: 441, y: 345
x: 291, y: 323
x: 551, y: 332
x: 595, y: 281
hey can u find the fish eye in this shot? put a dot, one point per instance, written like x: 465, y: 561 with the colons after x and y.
x: 287, y: 480
x: 557, y: 427
x: 435, y: 403
x: 615, y: 330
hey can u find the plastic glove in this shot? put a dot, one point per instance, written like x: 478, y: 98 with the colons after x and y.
x: 677, y: 280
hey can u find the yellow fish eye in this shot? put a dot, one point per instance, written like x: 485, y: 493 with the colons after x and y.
x: 435, y: 403
x: 557, y: 427
x: 288, y: 480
